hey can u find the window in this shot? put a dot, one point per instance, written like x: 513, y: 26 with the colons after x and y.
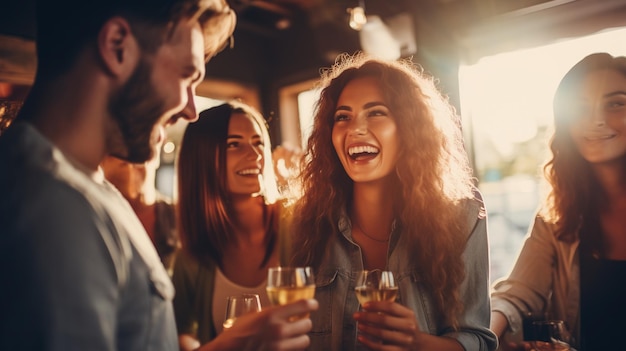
x: 306, y: 101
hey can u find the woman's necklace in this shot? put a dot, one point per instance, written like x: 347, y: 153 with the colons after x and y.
x: 369, y: 236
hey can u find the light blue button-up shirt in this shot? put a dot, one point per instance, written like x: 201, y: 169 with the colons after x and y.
x: 81, y: 271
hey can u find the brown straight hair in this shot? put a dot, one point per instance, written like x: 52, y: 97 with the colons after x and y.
x: 204, y: 213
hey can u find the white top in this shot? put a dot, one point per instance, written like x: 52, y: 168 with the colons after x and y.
x: 228, y: 288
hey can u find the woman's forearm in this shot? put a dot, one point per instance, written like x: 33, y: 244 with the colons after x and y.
x: 499, y: 323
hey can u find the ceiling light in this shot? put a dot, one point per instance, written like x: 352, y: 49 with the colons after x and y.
x: 377, y: 40
x: 357, y: 17
x: 283, y: 23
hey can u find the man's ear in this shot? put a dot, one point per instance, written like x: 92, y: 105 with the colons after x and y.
x: 117, y: 47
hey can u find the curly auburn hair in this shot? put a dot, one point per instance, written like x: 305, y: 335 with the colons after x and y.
x: 574, y: 194
x: 433, y: 174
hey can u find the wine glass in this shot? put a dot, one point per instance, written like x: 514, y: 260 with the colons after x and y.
x: 289, y: 284
x: 238, y: 305
x: 550, y: 335
x: 375, y: 285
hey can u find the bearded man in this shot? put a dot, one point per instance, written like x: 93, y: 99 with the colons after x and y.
x: 80, y: 272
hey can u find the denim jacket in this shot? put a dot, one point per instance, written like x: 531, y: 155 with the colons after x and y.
x: 333, y: 325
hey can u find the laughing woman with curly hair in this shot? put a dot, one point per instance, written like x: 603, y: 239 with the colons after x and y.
x: 387, y: 185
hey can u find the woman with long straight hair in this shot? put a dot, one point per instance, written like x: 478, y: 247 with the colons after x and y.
x: 229, y: 213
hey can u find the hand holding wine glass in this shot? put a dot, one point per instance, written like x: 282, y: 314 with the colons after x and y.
x: 550, y: 335
x: 289, y: 284
x: 272, y: 328
x: 384, y: 321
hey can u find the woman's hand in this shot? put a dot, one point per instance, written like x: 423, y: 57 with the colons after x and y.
x: 272, y: 329
x: 391, y: 326
x: 386, y: 326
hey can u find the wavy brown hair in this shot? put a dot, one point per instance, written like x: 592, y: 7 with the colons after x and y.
x: 575, y: 195
x: 433, y: 174
x: 205, y: 215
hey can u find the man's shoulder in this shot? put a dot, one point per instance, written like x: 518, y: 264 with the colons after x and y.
x: 33, y: 186
x: 47, y: 218
x: 37, y: 202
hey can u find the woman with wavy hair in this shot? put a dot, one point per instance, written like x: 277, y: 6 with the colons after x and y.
x: 573, y: 262
x: 229, y: 212
x: 386, y: 185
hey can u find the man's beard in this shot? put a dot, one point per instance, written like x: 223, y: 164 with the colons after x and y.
x: 136, y: 108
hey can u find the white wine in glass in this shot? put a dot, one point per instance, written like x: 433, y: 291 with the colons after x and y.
x: 289, y: 284
x: 239, y: 305
x: 375, y: 285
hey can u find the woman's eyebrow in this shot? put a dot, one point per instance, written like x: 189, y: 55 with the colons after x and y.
x: 613, y: 93
x: 366, y: 106
x: 374, y: 103
x: 238, y: 136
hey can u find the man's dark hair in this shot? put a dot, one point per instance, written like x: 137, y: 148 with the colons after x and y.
x: 65, y: 27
